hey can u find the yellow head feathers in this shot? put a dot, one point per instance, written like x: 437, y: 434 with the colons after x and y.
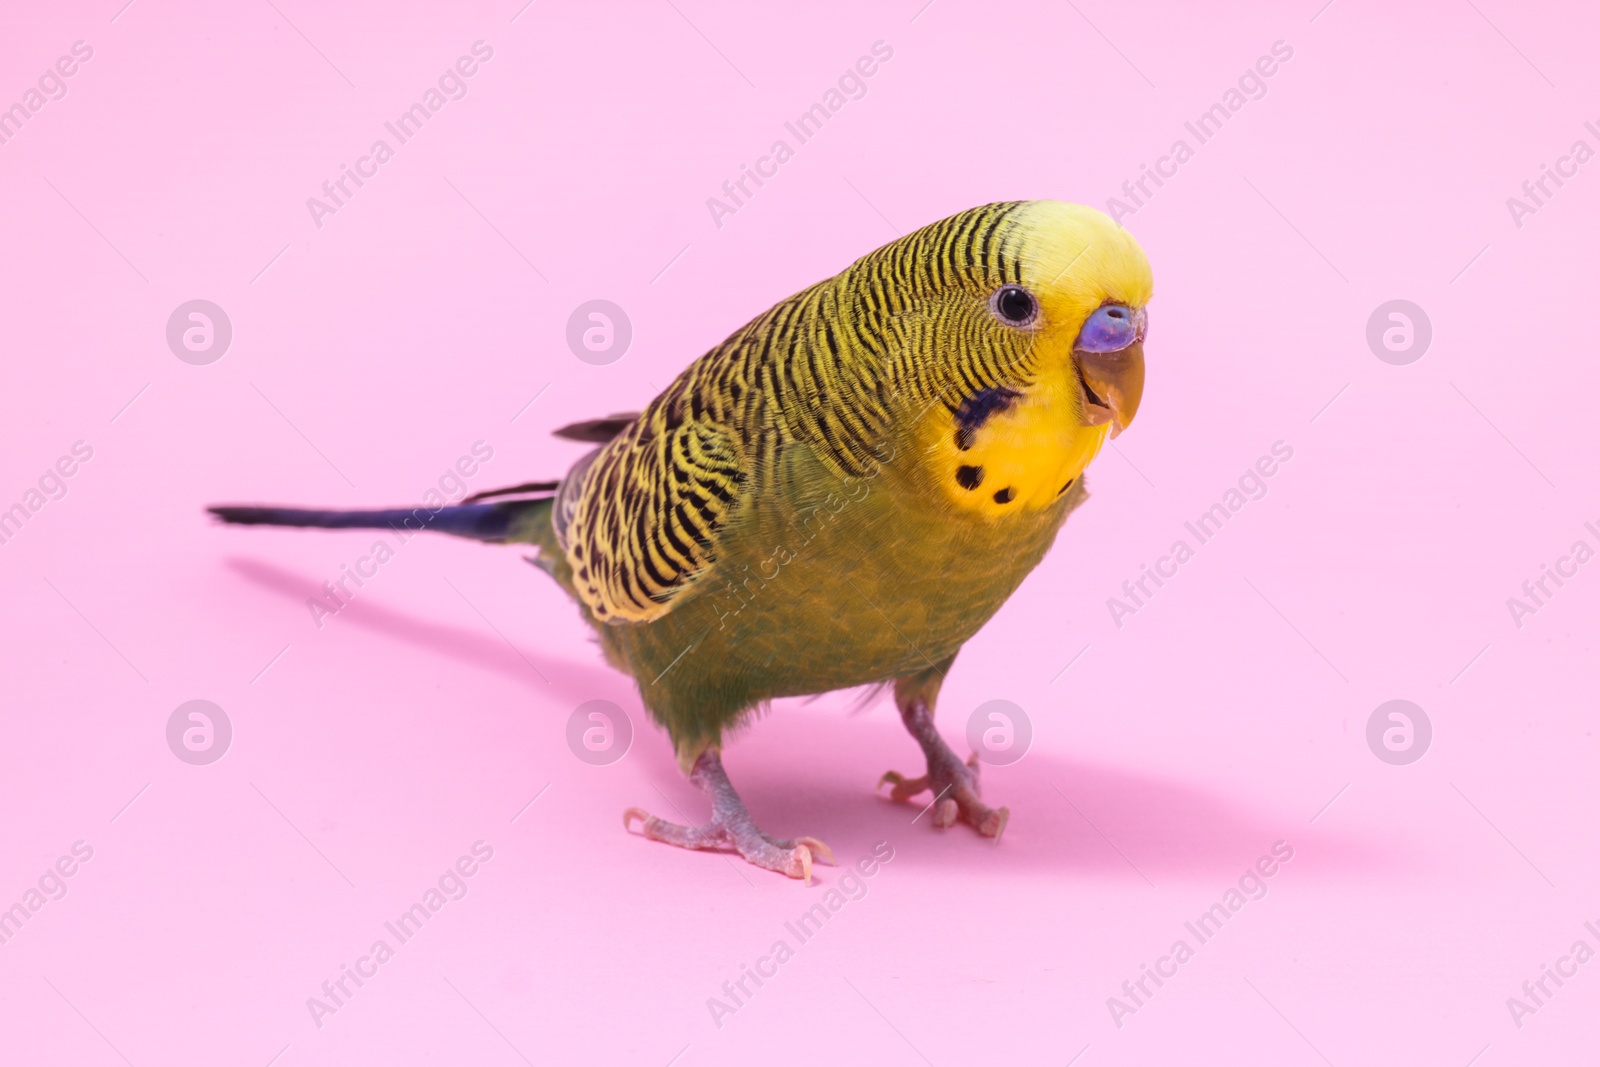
x: 1075, y: 259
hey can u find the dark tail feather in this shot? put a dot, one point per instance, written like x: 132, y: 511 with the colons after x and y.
x: 512, y: 520
x: 598, y: 431
x: 539, y: 488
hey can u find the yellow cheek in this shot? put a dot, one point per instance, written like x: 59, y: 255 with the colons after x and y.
x: 1021, y: 459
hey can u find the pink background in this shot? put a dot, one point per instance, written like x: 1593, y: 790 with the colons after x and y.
x: 1222, y: 718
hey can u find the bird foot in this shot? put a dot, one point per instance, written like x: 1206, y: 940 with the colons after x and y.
x: 791, y: 857
x: 731, y: 828
x: 954, y: 784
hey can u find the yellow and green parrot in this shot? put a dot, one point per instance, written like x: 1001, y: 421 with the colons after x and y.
x: 840, y: 494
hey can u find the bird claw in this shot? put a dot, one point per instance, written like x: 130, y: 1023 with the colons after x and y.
x: 731, y: 828
x: 955, y: 788
x: 992, y: 823
x: 904, y: 788
x: 800, y: 864
x: 792, y: 858
x: 819, y: 851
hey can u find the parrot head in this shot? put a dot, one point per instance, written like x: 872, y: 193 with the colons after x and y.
x: 1036, y: 323
x: 1085, y: 284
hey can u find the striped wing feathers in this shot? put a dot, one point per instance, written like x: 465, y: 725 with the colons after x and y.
x: 651, y: 507
x: 830, y: 367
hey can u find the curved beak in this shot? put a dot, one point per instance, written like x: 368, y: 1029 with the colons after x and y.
x: 1113, y: 382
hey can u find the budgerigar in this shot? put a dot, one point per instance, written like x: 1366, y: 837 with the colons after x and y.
x: 841, y: 493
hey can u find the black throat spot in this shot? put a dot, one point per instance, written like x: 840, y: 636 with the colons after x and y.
x: 977, y: 409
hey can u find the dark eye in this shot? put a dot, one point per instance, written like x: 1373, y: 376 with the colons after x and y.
x: 1015, y: 306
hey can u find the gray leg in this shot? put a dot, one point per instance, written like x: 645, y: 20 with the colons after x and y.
x: 954, y: 784
x: 731, y: 827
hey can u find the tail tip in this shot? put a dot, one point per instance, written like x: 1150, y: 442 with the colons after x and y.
x: 236, y: 513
